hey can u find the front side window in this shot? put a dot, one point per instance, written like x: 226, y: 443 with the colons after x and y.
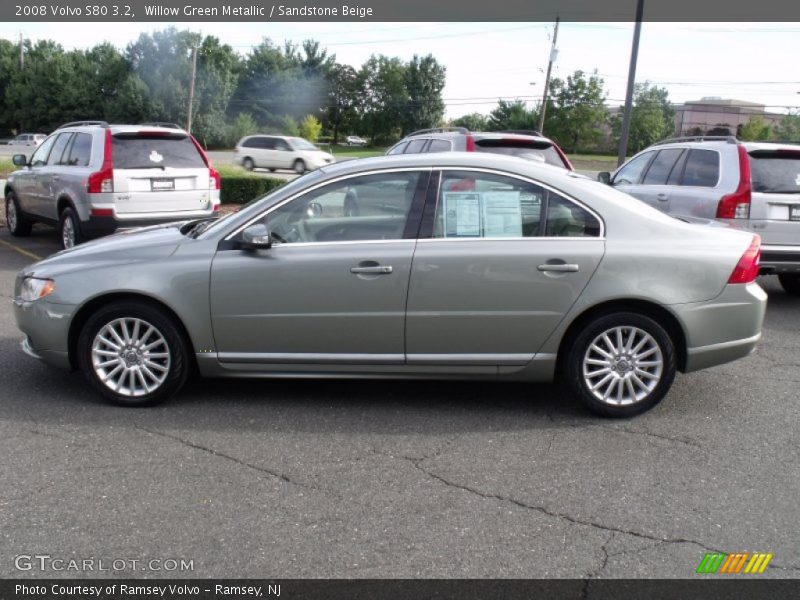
x: 301, y: 144
x: 364, y: 208
x: 398, y: 148
x: 632, y: 172
x: 39, y: 157
x: 484, y: 205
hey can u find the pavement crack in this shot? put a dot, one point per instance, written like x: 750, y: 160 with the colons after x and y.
x: 679, y: 440
x: 277, y: 474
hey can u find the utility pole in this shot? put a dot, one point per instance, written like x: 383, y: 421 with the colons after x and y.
x: 191, y: 90
x: 21, y: 52
x: 553, y: 55
x: 626, y: 117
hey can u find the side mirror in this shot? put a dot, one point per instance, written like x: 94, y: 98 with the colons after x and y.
x: 20, y: 160
x: 256, y: 237
x: 604, y: 177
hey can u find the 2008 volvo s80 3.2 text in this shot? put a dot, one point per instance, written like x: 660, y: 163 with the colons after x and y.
x: 449, y: 265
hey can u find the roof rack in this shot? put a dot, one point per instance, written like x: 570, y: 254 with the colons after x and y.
x: 161, y: 124
x: 521, y: 132
x: 83, y: 124
x: 731, y: 139
x: 463, y: 130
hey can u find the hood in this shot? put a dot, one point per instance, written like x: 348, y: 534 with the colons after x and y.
x: 147, y: 243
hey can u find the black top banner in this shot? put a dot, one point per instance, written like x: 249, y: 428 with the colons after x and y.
x: 395, y: 10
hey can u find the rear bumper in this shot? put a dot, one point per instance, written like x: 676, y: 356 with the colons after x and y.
x: 780, y: 259
x: 723, y: 329
x: 100, y: 226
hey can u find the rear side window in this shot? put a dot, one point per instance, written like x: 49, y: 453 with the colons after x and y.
x: 415, y: 146
x: 143, y: 151
x: 530, y: 149
x: 439, y: 146
x: 567, y: 219
x: 775, y: 172
x: 253, y: 142
x: 81, y: 151
x: 662, y: 166
x: 702, y: 168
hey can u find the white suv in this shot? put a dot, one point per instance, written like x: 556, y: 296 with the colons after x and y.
x: 279, y: 152
x: 90, y: 178
x: 752, y: 185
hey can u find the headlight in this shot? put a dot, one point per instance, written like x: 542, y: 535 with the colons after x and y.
x: 34, y: 289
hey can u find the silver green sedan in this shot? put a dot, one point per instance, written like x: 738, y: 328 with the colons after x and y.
x: 449, y: 265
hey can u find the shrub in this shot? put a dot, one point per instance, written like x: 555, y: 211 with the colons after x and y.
x: 240, y: 187
x: 310, y: 128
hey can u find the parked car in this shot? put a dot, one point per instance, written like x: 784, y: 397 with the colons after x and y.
x: 751, y: 185
x: 279, y: 152
x: 523, y: 143
x: 535, y: 273
x: 354, y: 140
x: 89, y: 179
x: 27, y: 139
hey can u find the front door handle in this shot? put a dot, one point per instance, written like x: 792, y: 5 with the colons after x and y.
x: 374, y: 270
x: 558, y: 268
x: 662, y: 197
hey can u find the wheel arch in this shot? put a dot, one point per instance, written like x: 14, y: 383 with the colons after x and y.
x: 86, y: 311
x: 63, y: 202
x: 643, y: 307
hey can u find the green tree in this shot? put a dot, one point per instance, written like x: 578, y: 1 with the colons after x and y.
x: 341, y: 112
x: 788, y: 128
x: 578, y: 111
x: 424, y: 82
x: 310, y: 128
x: 243, y: 125
x: 511, y: 115
x: 652, y: 117
x: 755, y: 129
x: 288, y: 126
x: 382, y: 98
x: 472, y: 121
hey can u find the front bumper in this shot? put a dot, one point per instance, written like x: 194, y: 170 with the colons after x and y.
x: 723, y: 329
x: 46, y: 328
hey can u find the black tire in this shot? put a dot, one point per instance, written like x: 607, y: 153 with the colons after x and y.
x: 248, y: 164
x: 299, y: 167
x: 70, y: 228
x: 176, y: 365
x: 790, y: 283
x: 271, y: 170
x: 624, y: 372
x: 18, y: 224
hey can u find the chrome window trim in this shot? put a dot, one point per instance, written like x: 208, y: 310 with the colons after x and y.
x: 319, y: 185
x: 541, y: 184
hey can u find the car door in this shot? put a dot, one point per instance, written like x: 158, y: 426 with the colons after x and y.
x: 697, y: 192
x: 499, y: 263
x: 653, y: 188
x: 27, y: 183
x: 628, y: 176
x: 332, y: 289
x: 284, y: 155
x: 50, y: 178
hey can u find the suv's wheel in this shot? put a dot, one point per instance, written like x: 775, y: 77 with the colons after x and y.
x: 133, y: 354
x: 299, y: 167
x: 70, y: 228
x: 621, y: 364
x: 18, y: 223
x: 790, y: 283
x: 248, y: 164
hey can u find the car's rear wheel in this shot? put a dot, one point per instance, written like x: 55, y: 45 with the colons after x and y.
x: 70, y: 228
x: 248, y: 164
x: 621, y: 364
x: 133, y: 354
x: 299, y: 167
x: 18, y: 223
x: 790, y: 283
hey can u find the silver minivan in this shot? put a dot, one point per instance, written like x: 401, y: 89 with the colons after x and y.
x: 90, y: 178
x: 751, y: 185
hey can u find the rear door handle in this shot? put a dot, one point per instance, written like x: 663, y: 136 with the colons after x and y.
x: 378, y: 270
x: 558, y: 268
x: 662, y: 197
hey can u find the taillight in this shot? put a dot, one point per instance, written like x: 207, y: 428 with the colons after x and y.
x: 103, y: 180
x: 214, y: 179
x: 747, y: 268
x: 470, y: 143
x: 737, y: 204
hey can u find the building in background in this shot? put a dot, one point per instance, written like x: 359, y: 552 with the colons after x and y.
x: 714, y: 115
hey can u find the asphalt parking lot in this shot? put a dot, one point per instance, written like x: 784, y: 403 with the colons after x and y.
x: 364, y: 479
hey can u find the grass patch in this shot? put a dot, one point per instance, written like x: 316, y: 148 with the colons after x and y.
x: 593, y: 162
x: 6, y: 167
x: 356, y: 151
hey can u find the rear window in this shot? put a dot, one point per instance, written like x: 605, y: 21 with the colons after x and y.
x: 775, y: 172
x: 537, y: 151
x: 136, y: 151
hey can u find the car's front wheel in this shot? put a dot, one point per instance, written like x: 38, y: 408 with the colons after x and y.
x: 299, y: 167
x: 248, y: 164
x: 790, y: 283
x: 133, y: 354
x: 18, y: 223
x: 621, y: 364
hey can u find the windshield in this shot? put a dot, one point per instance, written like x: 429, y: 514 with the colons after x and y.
x: 775, y: 172
x: 301, y: 144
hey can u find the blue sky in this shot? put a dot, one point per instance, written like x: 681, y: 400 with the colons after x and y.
x: 487, y: 61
